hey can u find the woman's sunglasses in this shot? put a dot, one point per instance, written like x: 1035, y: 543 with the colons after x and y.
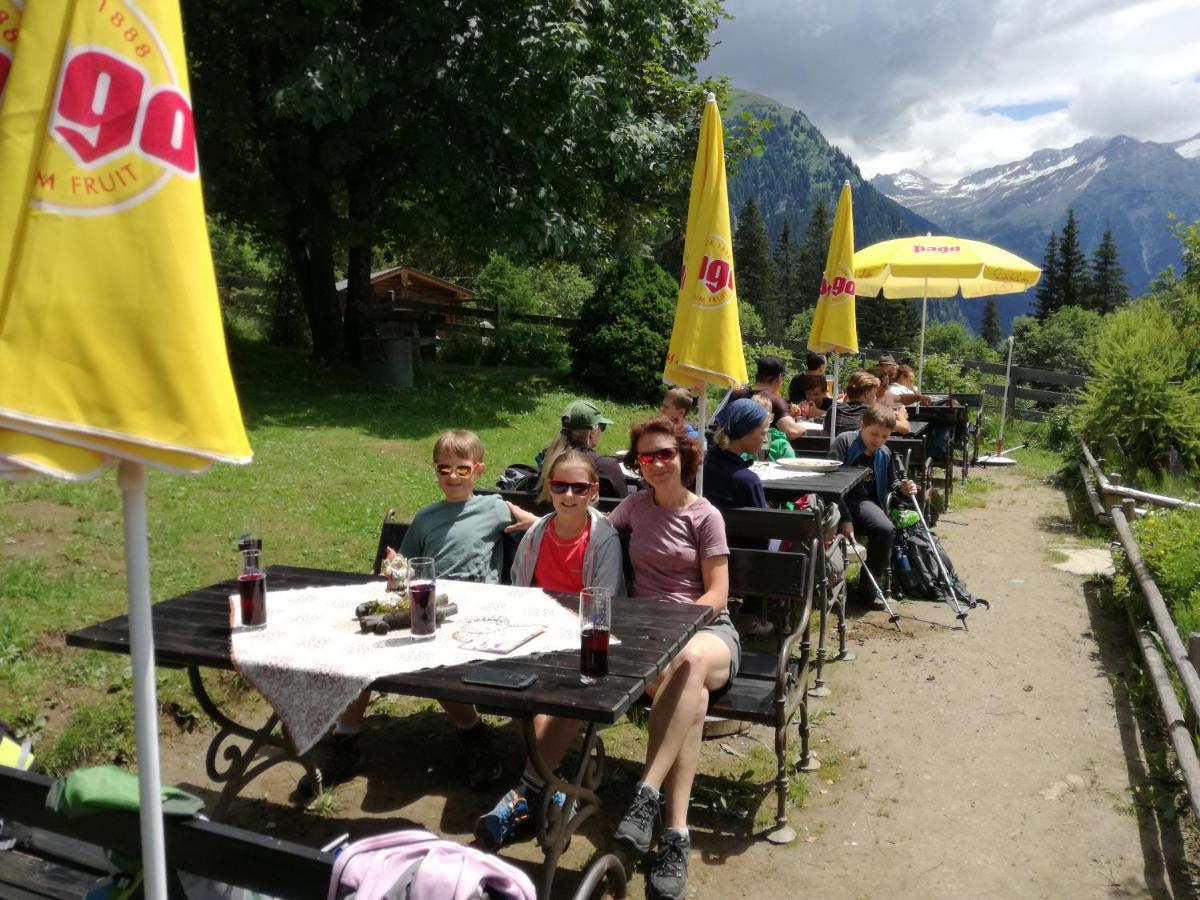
x: 663, y: 455
x: 579, y: 488
x: 445, y: 471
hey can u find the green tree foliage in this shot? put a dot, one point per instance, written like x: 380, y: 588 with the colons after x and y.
x: 1065, y: 341
x: 1143, y: 392
x: 1109, y: 288
x: 813, y: 250
x: 787, y: 273
x: 619, y: 345
x: 800, y: 326
x: 889, y: 324
x: 1048, y: 299
x: 754, y: 267
x: 454, y: 127
x: 1073, y: 275
x: 952, y: 340
x: 989, y: 328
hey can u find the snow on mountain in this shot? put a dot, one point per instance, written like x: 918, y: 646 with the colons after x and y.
x: 1189, y: 148
x: 1129, y: 185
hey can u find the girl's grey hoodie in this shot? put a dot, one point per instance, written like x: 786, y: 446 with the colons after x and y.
x: 602, y: 565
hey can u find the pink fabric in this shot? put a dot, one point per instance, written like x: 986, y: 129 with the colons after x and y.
x: 448, y: 871
x: 666, y: 546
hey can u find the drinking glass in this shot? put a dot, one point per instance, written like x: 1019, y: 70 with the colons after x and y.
x: 250, y: 537
x: 595, y: 625
x: 252, y: 588
x: 422, y: 603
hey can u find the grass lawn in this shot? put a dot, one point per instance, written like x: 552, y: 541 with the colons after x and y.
x: 330, y: 459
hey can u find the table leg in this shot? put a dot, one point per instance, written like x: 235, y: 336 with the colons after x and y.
x: 267, y: 748
x: 554, y: 826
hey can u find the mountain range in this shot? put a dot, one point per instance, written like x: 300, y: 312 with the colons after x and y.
x: 797, y: 167
x: 1129, y: 185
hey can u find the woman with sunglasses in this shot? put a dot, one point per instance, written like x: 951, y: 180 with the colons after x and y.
x: 571, y: 548
x: 582, y: 426
x: 679, y: 554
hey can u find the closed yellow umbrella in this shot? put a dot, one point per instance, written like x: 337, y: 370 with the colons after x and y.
x: 834, y: 328
x: 939, y: 266
x: 111, y: 344
x: 706, y: 338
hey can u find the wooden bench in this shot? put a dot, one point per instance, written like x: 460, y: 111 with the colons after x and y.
x: 58, y: 858
x: 55, y: 854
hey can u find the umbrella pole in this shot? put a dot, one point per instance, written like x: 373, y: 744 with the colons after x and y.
x: 703, y: 408
x: 921, y: 356
x: 837, y: 364
x: 1004, y: 404
x: 131, y: 478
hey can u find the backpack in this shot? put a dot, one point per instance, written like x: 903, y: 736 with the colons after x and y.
x: 416, y: 865
x: 916, y: 571
x: 518, y: 477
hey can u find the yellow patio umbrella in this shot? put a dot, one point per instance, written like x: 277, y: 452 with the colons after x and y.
x: 834, y: 329
x: 10, y: 22
x: 939, y: 266
x: 706, y: 340
x: 111, y: 344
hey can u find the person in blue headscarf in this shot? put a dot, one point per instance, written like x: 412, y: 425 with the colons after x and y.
x: 864, y: 508
x: 739, y: 428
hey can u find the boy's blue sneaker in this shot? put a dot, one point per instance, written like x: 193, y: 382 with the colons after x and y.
x: 499, y: 827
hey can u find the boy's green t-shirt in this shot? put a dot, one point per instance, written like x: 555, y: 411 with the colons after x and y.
x: 779, y: 447
x: 464, y: 539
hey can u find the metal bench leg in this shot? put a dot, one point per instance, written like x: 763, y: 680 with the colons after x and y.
x: 819, y: 689
x: 555, y: 826
x: 843, y: 655
x: 268, y: 748
x: 782, y: 833
x: 808, y: 761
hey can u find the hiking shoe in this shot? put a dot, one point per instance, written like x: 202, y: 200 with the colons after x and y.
x: 639, y: 828
x: 483, y: 766
x: 668, y: 873
x: 501, y: 826
x: 335, y: 759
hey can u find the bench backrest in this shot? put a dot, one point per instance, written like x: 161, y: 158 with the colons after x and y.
x: 220, y: 852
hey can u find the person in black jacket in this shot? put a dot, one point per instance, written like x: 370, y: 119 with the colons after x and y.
x: 864, y: 508
x: 582, y: 427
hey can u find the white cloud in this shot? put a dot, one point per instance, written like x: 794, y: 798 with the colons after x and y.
x: 910, y: 86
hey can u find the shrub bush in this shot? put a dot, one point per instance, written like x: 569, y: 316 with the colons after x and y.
x: 1142, y: 393
x: 619, y: 346
x: 1169, y: 542
x: 1064, y: 342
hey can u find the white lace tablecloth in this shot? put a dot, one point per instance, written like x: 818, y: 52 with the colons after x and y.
x: 313, y: 659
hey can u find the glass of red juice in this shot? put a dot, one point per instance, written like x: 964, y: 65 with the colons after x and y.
x: 250, y: 537
x: 595, y: 625
x: 252, y: 589
x: 422, y: 603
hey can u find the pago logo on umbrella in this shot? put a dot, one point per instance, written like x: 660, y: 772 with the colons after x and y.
x: 839, y: 290
x: 714, y: 274
x: 121, y: 123
x: 10, y: 21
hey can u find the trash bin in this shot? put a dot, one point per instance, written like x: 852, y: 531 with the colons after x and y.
x: 388, y: 361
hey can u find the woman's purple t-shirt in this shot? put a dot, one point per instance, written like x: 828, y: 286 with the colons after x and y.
x: 667, y: 545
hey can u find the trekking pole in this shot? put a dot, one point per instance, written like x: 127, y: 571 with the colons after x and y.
x: 959, y: 612
x: 892, y: 617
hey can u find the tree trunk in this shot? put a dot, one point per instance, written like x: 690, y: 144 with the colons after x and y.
x: 325, y: 317
x: 362, y: 231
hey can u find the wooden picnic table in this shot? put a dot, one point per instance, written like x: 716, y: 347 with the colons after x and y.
x: 192, y: 631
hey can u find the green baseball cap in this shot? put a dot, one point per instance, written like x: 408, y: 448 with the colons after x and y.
x: 581, y: 414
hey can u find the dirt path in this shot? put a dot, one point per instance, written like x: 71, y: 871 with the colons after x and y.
x: 994, y: 763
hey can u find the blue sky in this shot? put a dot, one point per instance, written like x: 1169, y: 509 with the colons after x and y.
x: 948, y: 87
